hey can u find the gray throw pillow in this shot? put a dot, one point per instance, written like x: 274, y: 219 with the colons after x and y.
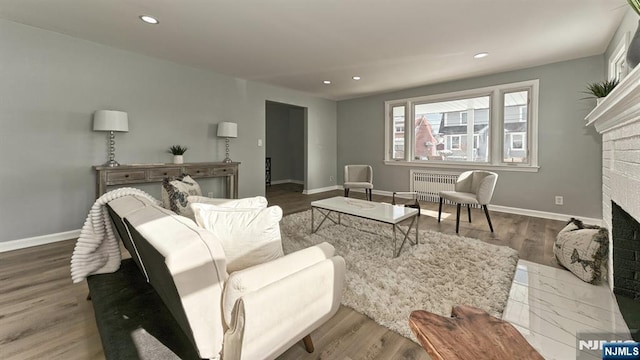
x: 175, y: 193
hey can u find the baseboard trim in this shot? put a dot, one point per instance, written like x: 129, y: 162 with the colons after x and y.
x: 37, y: 240
x: 544, y: 214
x: 320, y: 190
x: 514, y: 210
x: 287, y: 181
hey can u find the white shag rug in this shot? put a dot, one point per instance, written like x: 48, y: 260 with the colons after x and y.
x: 442, y: 271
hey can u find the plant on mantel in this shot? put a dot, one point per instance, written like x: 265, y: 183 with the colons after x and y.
x: 599, y: 90
x: 178, y: 152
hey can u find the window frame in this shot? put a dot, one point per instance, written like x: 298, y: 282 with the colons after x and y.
x: 496, y: 128
x: 451, y: 137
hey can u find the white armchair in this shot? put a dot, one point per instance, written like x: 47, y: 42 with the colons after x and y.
x: 254, y: 313
x: 472, y: 188
x: 358, y: 177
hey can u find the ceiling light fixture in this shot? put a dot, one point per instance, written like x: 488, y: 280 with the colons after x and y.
x: 356, y: 77
x: 480, y: 55
x: 326, y: 82
x: 149, y: 19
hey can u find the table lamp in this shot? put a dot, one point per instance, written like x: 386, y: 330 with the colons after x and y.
x: 111, y: 121
x: 227, y: 130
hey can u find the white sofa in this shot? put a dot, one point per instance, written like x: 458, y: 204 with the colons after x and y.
x: 255, y: 313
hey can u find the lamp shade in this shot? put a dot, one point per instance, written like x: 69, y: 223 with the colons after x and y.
x: 110, y: 120
x: 227, y: 130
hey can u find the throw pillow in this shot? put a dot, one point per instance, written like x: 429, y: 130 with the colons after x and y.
x: 248, y: 236
x: 176, y: 192
x: 582, y: 250
x: 256, y: 202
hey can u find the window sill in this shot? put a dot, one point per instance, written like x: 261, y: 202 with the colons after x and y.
x: 462, y: 166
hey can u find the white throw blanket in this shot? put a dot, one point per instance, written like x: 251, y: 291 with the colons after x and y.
x: 97, y: 250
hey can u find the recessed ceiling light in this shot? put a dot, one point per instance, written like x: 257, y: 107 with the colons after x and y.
x: 356, y: 77
x: 326, y: 82
x: 481, y: 55
x: 149, y: 19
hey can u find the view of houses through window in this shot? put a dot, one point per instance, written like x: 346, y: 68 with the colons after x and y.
x: 460, y: 129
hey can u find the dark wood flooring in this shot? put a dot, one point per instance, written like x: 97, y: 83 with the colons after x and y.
x: 44, y: 315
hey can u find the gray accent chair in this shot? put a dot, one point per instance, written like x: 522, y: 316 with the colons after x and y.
x: 472, y: 188
x: 358, y: 177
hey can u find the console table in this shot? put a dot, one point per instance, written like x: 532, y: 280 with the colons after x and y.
x: 150, y: 173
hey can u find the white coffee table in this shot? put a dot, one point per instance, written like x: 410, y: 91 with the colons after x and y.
x: 382, y: 212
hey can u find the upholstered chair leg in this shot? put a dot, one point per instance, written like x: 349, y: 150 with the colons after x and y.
x: 370, y: 194
x: 469, y: 211
x: 346, y: 192
x: 457, y: 218
x: 308, y: 344
x: 486, y: 212
x: 440, y: 210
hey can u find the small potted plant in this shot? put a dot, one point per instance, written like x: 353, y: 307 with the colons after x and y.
x: 178, y: 152
x: 600, y: 90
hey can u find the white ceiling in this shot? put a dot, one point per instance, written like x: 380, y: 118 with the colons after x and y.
x: 391, y: 44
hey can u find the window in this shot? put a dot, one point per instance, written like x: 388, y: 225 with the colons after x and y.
x: 453, y: 142
x: 515, y: 132
x: 481, y: 128
x: 398, y: 133
x: 517, y: 141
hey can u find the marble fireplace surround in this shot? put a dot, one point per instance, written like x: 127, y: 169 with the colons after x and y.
x: 617, y: 118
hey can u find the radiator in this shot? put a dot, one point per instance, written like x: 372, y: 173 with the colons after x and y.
x: 427, y: 184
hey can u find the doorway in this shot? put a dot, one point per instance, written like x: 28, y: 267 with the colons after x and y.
x: 285, y: 148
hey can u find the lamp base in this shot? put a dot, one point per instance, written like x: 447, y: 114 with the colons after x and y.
x: 227, y: 160
x: 111, y: 163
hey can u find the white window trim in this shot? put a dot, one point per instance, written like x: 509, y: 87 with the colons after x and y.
x: 496, y: 161
x: 476, y: 141
x: 466, y: 119
x: 523, y: 114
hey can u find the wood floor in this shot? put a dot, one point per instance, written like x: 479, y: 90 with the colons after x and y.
x: 44, y: 315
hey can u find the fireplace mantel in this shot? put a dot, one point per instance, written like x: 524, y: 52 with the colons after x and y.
x: 620, y: 107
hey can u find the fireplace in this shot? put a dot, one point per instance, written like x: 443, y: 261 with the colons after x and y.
x: 617, y: 119
x: 626, y: 253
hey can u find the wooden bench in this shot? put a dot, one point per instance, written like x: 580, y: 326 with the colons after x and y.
x: 469, y: 334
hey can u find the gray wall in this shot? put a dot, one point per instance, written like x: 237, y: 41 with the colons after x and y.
x: 52, y: 84
x: 569, y: 153
x: 285, y: 141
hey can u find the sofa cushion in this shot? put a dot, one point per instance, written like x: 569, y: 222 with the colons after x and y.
x: 582, y: 250
x: 175, y: 194
x: 248, y: 236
